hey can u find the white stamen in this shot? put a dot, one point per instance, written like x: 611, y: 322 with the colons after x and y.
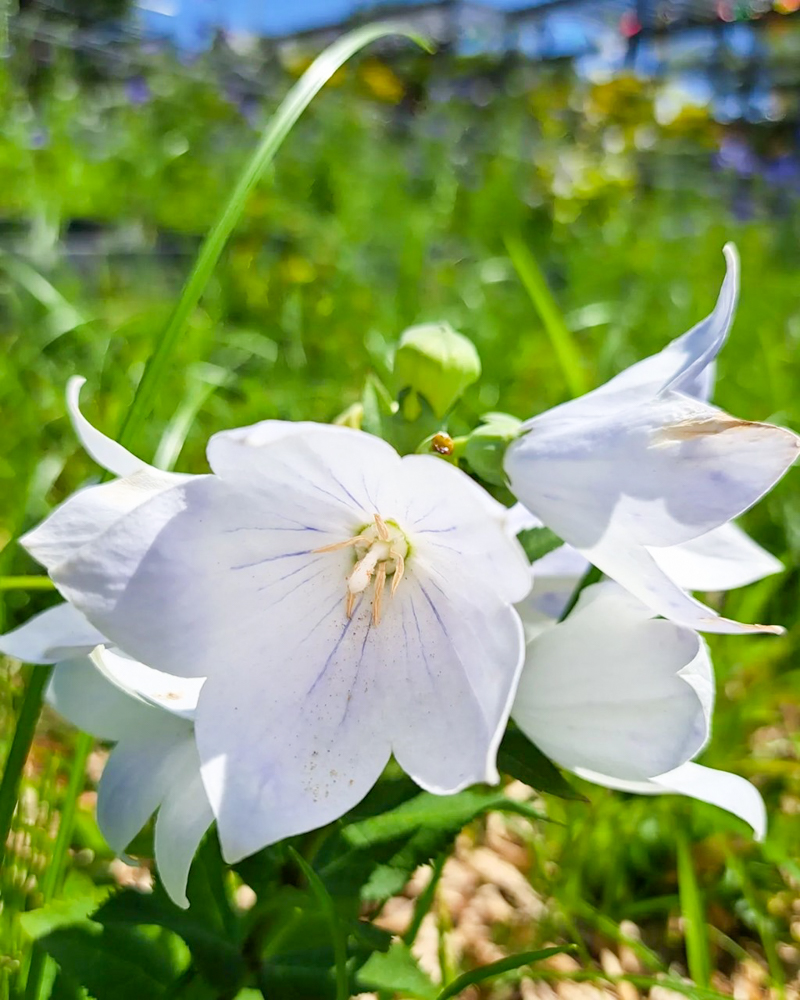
x: 382, y: 549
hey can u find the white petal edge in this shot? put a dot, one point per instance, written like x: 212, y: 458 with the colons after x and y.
x: 59, y: 633
x: 105, y: 451
x: 86, y: 696
x: 728, y: 791
x: 137, y: 778
x: 182, y: 820
x: 722, y: 559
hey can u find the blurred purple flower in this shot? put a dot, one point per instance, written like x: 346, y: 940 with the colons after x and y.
x: 137, y: 90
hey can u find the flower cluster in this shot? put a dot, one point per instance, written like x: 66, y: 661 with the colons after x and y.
x: 260, y: 640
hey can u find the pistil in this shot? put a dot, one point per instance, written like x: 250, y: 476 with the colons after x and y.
x: 382, y: 549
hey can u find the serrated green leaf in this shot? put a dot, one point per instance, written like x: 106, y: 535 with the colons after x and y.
x: 398, y: 972
x: 113, y: 963
x: 537, y: 542
x: 521, y: 759
x: 433, y: 812
x: 79, y: 899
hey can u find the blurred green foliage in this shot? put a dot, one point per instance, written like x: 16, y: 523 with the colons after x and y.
x: 382, y: 212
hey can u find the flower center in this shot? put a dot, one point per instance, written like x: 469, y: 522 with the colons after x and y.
x: 381, y: 549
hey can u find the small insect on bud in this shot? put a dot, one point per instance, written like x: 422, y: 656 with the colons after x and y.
x: 442, y: 444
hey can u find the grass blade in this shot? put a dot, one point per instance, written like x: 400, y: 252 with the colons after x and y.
x: 460, y: 983
x: 294, y: 104
x: 694, y: 922
x: 561, y: 339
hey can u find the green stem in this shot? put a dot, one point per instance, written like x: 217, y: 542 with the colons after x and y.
x: 52, y: 876
x: 20, y: 747
x: 77, y: 777
x: 293, y: 105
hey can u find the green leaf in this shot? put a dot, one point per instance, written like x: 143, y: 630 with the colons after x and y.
x: 427, y: 824
x: 80, y: 898
x: 521, y: 759
x: 398, y: 972
x: 485, y: 972
x: 113, y: 963
x: 537, y: 542
x: 433, y: 812
x: 216, y: 957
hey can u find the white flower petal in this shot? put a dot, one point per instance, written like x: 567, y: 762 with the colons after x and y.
x: 59, y: 633
x: 90, y: 699
x: 615, y: 691
x: 85, y: 515
x: 177, y: 695
x: 720, y: 788
x: 336, y: 476
x: 138, y: 776
x: 432, y: 682
x: 106, y: 452
x: 685, y: 365
x: 454, y: 524
x: 722, y: 559
x: 658, y: 474
x: 182, y: 820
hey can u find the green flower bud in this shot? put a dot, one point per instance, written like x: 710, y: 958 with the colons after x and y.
x: 436, y: 363
x: 486, y: 446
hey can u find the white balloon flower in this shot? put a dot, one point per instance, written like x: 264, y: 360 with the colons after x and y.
x: 344, y: 604
x: 154, y: 766
x: 625, y: 700
x: 643, y: 464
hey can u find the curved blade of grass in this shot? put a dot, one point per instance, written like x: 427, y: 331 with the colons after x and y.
x: 337, y: 932
x: 459, y: 984
x: 294, y: 104
x: 561, y: 339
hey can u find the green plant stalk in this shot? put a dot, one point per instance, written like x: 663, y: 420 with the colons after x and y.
x: 337, y: 933
x: 20, y: 745
x: 52, y: 876
x: 695, y: 932
x: 293, y: 105
x: 561, y: 339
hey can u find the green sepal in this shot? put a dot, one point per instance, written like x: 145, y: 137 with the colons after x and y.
x: 486, y: 446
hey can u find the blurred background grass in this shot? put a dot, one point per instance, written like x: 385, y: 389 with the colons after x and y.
x: 390, y: 206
